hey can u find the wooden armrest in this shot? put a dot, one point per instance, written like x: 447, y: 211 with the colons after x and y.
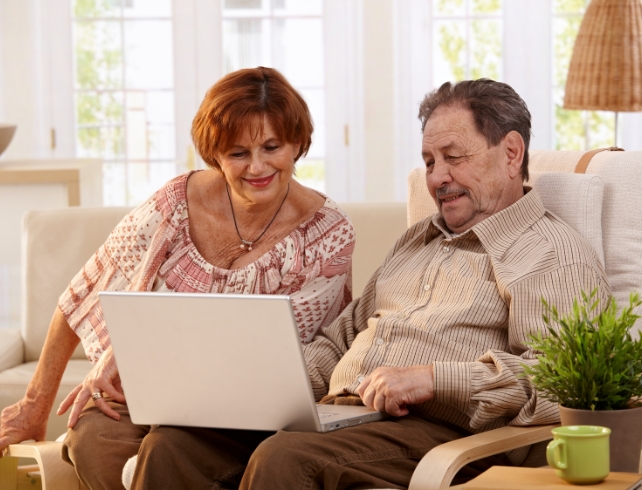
x: 56, y: 474
x: 439, y: 466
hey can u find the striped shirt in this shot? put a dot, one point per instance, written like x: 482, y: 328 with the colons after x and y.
x: 466, y: 304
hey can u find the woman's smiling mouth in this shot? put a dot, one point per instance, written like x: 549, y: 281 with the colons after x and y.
x: 261, y: 182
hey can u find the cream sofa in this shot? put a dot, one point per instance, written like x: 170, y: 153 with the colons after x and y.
x: 604, y: 205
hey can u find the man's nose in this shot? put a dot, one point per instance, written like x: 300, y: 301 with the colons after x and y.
x: 439, y: 175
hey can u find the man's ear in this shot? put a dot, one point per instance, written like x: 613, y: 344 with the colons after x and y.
x: 514, y: 149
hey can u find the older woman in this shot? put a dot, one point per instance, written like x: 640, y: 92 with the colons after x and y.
x: 246, y: 226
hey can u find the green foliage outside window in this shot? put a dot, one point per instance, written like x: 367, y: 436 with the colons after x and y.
x: 574, y: 130
x: 487, y: 50
x: 472, y: 46
x: 99, y: 59
x: 486, y: 6
x: 452, y: 45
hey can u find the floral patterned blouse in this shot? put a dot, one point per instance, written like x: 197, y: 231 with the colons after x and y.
x: 151, y: 250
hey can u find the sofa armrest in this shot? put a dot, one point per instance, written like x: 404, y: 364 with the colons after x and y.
x: 11, y: 348
x: 440, y: 465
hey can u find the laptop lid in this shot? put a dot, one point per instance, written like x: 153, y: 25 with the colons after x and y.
x: 210, y: 360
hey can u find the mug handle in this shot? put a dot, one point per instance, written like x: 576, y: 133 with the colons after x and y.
x: 557, y: 463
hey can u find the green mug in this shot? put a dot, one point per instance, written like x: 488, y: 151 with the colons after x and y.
x: 580, y: 453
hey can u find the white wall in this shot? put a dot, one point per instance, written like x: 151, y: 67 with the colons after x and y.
x: 22, y: 99
x: 31, y: 32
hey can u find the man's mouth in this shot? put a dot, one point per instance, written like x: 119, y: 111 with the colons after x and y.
x: 451, y: 199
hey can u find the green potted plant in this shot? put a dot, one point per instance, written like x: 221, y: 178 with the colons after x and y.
x: 590, y: 365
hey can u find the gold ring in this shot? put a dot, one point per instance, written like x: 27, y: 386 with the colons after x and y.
x: 96, y: 396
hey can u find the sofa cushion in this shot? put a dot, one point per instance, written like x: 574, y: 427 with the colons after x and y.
x: 576, y: 199
x: 377, y: 226
x: 11, y: 348
x: 56, y: 244
x: 14, y: 381
x: 621, y: 172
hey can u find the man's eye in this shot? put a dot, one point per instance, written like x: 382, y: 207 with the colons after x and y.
x: 430, y: 164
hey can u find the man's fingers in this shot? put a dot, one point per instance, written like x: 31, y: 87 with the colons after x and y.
x: 367, y: 397
x: 394, y: 409
x: 379, y: 402
x: 363, y: 385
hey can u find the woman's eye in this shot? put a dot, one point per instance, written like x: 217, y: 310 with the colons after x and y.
x: 237, y: 154
x: 272, y: 148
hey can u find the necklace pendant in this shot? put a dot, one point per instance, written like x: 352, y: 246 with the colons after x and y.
x: 242, y: 246
x: 245, y: 244
x: 250, y: 248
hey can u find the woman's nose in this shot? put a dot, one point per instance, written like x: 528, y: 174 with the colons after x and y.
x: 257, y: 162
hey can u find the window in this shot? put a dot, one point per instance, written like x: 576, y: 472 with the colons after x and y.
x: 123, y: 91
x: 467, y: 40
x: 124, y: 71
x: 286, y: 35
x: 574, y: 130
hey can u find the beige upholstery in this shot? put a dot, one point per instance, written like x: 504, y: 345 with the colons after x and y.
x: 55, y: 245
x: 377, y: 227
x: 621, y: 172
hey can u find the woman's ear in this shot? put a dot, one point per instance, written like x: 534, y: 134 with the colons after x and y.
x: 514, y: 149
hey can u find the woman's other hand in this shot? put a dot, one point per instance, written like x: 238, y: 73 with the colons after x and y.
x: 22, y: 421
x: 28, y: 418
x: 103, y: 378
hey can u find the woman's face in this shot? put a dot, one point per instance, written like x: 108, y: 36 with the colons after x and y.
x: 259, y: 166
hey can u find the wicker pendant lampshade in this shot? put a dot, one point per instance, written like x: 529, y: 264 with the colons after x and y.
x: 606, y: 67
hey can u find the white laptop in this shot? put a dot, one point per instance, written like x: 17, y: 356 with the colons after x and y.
x: 217, y: 360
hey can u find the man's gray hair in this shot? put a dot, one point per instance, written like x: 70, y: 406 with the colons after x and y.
x: 497, y: 110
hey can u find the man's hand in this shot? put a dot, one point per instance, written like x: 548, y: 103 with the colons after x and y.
x: 103, y: 378
x: 391, y: 389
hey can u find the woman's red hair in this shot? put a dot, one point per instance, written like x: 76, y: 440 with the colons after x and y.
x: 240, y: 100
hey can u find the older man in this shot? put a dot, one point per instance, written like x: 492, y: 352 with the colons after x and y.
x: 437, y: 339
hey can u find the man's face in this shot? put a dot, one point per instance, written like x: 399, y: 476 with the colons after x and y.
x: 468, y: 180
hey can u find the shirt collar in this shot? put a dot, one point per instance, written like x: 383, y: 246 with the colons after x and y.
x: 499, y: 231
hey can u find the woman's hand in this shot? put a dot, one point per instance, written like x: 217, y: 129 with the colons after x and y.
x: 103, y: 378
x: 22, y: 421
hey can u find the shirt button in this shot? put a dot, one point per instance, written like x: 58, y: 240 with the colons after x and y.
x: 446, y: 250
x: 380, y: 341
x: 427, y: 287
x: 360, y: 379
